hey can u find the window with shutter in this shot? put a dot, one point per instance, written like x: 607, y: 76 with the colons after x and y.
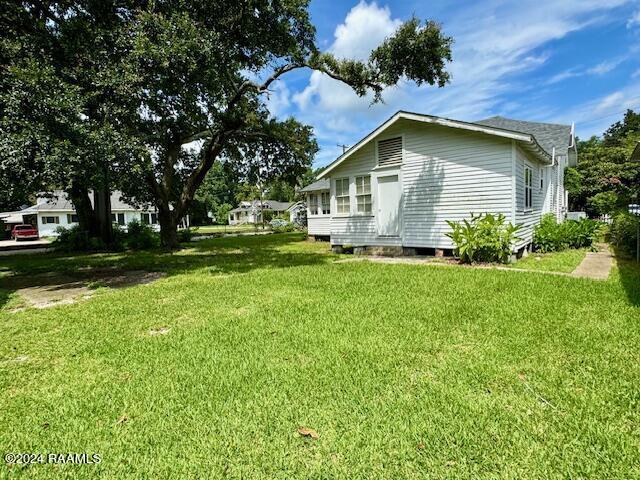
x: 390, y: 151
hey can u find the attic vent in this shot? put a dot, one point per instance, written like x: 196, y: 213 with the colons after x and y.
x: 390, y: 151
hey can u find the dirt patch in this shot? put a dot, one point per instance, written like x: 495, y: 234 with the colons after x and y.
x: 48, y: 290
x: 159, y: 331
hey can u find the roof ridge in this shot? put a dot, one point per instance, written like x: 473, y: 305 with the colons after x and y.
x: 523, y: 121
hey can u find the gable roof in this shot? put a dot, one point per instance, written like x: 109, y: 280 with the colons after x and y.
x: 322, y: 184
x: 526, y: 140
x: 59, y: 202
x: 548, y: 135
x: 266, y: 205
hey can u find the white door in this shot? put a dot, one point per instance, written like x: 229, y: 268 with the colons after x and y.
x: 388, y: 206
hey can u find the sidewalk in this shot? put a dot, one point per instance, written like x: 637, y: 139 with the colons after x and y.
x: 596, y: 265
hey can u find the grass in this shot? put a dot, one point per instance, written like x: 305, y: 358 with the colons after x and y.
x: 404, y: 371
x: 565, y: 261
x: 206, y: 229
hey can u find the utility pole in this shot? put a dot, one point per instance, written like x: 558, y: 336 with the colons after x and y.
x: 344, y: 147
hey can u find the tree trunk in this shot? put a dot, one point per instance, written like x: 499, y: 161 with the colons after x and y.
x: 87, y: 219
x: 168, y: 227
x: 102, y: 208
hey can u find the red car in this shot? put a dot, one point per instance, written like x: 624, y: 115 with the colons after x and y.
x: 24, y: 232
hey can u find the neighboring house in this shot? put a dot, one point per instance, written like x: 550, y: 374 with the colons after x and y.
x: 318, y: 197
x: 398, y: 186
x: 55, y: 211
x: 298, y: 213
x: 251, y: 212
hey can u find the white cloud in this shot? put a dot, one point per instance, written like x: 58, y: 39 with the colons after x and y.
x: 364, y: 27
x: 599, y: 69
x: 634, y: 20
x: 604, y: 67
x: 636, y: 74
x: 595, y: 116
x: 278, y: 100
x: 495, y: 42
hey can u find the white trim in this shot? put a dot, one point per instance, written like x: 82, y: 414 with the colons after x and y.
x: 528, y: 140
x: 514, y: 195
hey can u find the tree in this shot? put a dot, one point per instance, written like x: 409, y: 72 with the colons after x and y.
x: 201, y: 73
x: 617, y: 133
x: 221, y: 213
x: 604, y: 179
x: 183, y: 85
x: 59, y: 111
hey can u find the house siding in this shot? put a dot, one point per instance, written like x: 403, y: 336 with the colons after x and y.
x: 445, y: 175
x: 527, y: 218
x: 319, y: 225
x: 448, y: 174
x: 49, y: 229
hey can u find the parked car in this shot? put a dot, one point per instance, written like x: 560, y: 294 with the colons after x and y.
x: 24, y: 232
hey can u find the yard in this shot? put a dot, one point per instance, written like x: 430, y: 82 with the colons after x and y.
x: 403, y: 371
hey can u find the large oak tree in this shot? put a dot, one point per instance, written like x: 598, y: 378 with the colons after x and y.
x: 190, y: 81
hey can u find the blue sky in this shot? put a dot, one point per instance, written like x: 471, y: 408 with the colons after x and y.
x: 553, y: 61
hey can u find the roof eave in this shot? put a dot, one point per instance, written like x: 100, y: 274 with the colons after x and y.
x: 524, y: 138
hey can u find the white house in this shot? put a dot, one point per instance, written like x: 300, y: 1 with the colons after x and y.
x: 55, y: 211
x: 399, y: 185
x: 251, y: 212
x: 318, y: 209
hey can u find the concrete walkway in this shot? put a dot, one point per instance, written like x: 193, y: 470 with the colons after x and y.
x: 596, y: 265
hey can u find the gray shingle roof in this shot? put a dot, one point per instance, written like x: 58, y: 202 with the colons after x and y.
x: 59, y: 202
x: 548, y: 135
x: 322, y: 184
x: 266, y: 205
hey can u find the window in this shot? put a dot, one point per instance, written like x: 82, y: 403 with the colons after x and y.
x: 144, y: 217
x: 342, y: 195
x: 46, y: 220
x: 154, y: 219
x: 117, y: 218
x: 528, y: 188
x: 363, y: 194
x: 390, y: 151
x: 326, y: 209
x: 541, y: 179
x: 72, y: 218
x: 313, y: 204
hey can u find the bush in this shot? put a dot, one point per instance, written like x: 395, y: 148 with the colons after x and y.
x: 603, y: 203
x: 140, y: 237
x: 72, y: 239
x: 280, y: 225
x: 623, y: 231
x: 551, y: 236
x: 119, y: 238
x: 185, y: 235
x: 485, y: 238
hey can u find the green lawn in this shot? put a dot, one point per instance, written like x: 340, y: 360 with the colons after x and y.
x: 205, y: 229
x: 404, y: 371
x: 565, y: 261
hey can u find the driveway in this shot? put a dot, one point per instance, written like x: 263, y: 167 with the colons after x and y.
x: 11, y: 247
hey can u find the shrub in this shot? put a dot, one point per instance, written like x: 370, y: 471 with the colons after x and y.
x: 280, y: 225
x: 484, y: 238
x: 603, y: 203
x: 140, y: 237
x: 551, y: 236
x: 119, y: 238
x: 71, y: 239
x: 185, y: 235
x: 623, y: 231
